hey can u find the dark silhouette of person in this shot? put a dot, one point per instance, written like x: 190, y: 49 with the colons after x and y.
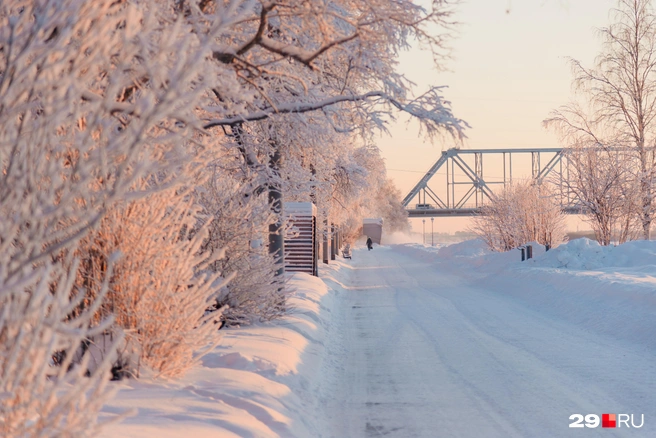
x: 370, y: 243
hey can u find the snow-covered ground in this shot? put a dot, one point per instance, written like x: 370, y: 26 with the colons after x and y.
x: 416, y: 341
x: 262, y: 381
x: 457, y: 341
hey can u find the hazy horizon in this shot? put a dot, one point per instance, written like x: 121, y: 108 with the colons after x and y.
x: 509, y: 70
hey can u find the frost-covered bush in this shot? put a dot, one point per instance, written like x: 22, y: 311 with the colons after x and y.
x: 521, y: 213
x: 239, y: 216
x: 161, y: 285
x: 39, y: 398
x: 86, y: 109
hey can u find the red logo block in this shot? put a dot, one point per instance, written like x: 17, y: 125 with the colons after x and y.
x: 608, y: 420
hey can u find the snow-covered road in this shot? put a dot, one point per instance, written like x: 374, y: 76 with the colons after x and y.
x: 426, y: 352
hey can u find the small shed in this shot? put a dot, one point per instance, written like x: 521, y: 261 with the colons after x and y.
x: 373, y: 227
x: 301, y: 244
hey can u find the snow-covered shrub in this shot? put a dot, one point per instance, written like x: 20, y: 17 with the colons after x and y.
x: 239, y: 216
x: 521, y: 213
x: 86, y: 109
x: 39, y: 398
x: 161, y: 286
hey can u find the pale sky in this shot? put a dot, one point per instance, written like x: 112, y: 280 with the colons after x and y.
x: 509, y: 71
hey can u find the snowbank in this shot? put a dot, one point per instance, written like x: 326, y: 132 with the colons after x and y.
x: 610, y: 290
x: 461, y: 255
x: 468, y: 248
x: 262, y: 381
x: 588, y: 254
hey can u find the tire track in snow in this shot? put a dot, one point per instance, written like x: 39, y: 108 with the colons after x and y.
x: 428, y: 360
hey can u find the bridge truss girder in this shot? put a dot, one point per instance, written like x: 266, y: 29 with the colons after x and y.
x: 478, y: 190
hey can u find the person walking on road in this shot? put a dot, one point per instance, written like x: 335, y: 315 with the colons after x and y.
x: 370, y: 243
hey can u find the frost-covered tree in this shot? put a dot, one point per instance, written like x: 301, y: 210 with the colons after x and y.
x: 87, y: 109
x: 602, y: 180
x: 521, y: 213
x: 347, y: 179
x: 619, y: 99
x: 389, y: 207
x: 383, y: 198
x: 297, y: 56
x: 235, y: 203
x: 108, y: 106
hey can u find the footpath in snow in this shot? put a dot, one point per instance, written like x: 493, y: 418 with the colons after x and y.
x: 414, y: 341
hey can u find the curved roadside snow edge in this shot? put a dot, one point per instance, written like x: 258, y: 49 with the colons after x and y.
x: 608, y: 290
x: 262, y: 380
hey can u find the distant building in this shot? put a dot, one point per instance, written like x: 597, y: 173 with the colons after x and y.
x: 373, y: 227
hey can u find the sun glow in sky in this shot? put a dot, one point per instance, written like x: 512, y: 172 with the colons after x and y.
x: 509, y: 70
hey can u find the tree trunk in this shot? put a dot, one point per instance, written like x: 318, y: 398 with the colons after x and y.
x: 645, y: 191
x: 646, y: 227
x: 276, y: 238
x: 326, y: 242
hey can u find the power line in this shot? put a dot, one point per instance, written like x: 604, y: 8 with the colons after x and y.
x: 406, y: 170
x: 491, y: 99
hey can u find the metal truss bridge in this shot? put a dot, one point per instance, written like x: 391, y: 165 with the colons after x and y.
x: 459, y: 186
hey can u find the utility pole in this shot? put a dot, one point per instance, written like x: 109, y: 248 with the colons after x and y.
x: 424, y: 232
x: 432, y: 232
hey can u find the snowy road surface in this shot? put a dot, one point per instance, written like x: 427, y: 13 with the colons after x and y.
x: 427, y: 353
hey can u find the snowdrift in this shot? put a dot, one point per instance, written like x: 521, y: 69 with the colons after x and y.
x: 461, y: 255
x: 262, y: 381
x: 610, y: 290
x: 586, y: 254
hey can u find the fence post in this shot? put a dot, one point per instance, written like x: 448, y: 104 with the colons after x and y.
x: 529, y: 252
x: 333, y: 241
x: 326, y: 242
